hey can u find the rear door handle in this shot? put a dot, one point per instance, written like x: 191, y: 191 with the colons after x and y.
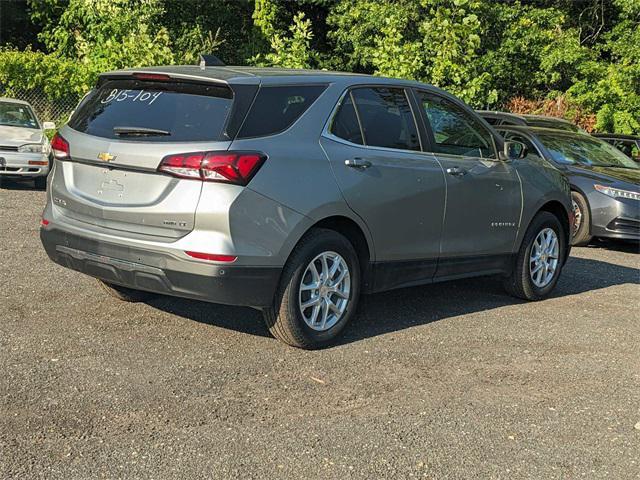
x: 358, y: 163
x: 456, y: 171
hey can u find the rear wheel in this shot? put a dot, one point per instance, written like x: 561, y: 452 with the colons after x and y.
x: 318, y: 292
x: 540, y: 258
x: 125, y: 294
x: 581, y: 220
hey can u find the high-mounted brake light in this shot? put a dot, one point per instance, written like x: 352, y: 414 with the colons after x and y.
x: 156, y: 77
x: 212, y: 257
x: 228, y: 167
x: 60, y: 147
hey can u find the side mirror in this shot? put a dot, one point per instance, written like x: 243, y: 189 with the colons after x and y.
x: 48, y: 126
x: 514, y: 150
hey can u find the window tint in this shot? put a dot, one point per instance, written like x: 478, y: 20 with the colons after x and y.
x: 386, y: 118
x: 491, y: 120
x: 345, y: 122
x: 183, y: 111
x: 276, y: 108
x: 455, y: 131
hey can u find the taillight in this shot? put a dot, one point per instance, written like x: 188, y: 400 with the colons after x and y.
x: 60, y: 147
x: 213, y: 257
x: 229, y: 167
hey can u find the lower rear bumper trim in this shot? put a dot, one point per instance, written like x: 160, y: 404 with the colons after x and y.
x: 230, y: 285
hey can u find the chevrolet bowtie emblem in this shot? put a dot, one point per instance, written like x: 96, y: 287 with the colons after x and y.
x: 105, y: 157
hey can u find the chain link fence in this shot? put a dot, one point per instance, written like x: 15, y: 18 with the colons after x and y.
x: 47, y: 109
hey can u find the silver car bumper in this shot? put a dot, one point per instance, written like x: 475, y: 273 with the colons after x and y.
x: 160, y: 272
x: 24, y: 164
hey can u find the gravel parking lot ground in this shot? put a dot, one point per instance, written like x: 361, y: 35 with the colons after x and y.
x: 455, y: 380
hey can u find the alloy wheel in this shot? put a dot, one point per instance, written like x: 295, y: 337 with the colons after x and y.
x: 543, y: 261
x: 577, y: 216
x: 324, y: 291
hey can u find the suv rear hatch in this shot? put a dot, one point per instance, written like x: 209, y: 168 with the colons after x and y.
x: 117, y: 138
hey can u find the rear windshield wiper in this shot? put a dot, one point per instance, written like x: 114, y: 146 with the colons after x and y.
x: 139, y: 131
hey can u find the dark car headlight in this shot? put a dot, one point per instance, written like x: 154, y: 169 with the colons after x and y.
x: 617, y: 192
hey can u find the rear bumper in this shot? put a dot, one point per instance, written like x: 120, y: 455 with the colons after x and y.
x: 161, y: 273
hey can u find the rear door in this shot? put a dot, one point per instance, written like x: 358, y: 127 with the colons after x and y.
x: 117, y: 138
x: 375, y: 153
x: 483, y: 192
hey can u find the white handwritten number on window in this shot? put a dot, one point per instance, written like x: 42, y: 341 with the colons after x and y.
x: 132, y: 95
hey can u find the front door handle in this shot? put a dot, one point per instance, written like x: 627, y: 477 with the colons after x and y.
x: 358, y: 163
x: 456, y: 171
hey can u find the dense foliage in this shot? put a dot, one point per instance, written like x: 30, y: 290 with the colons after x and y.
x: 582, y: 56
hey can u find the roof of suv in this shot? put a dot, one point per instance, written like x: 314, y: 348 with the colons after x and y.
x: 264, y: 75
x: 232, y: 73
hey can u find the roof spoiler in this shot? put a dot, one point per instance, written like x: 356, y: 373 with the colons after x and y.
x: 210, y: 61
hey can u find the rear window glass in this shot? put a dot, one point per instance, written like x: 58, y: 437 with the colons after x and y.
x: 128, y: 109
x: 276, y: 108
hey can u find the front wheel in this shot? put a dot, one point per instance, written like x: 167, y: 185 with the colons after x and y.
x: 318, y: 291
x: 540, y: 259
x: 581, y: 220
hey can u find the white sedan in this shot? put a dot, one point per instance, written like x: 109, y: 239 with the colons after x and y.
x: 24, y: 147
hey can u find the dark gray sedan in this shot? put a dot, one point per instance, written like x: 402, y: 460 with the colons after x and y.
x: 605, y: 183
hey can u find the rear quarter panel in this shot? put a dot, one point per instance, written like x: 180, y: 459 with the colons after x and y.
x: 297, y: 174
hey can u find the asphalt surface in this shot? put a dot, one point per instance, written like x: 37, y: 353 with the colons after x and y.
x: 455, y: 380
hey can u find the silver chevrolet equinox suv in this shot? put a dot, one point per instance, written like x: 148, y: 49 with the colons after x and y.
x: 294, y: 192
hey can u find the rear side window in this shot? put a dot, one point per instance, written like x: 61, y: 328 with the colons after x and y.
x: 128, y: 109
x: 455, y: 131
x: 345, y: 123
x: 276, y: 108
x: 386, y: 118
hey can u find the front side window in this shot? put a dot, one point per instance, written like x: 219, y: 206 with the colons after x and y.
x: 17, y: 115
x: 455, y: 131
x: 386, y: 118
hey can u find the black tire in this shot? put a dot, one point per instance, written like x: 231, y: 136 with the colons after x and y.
x: 581, y: 235
x: 284, y: 319
x: 126, y: 294
x: 40, y: 183
x: 519, y: 283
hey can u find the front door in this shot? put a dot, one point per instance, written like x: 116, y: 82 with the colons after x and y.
x: 483, y: 192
